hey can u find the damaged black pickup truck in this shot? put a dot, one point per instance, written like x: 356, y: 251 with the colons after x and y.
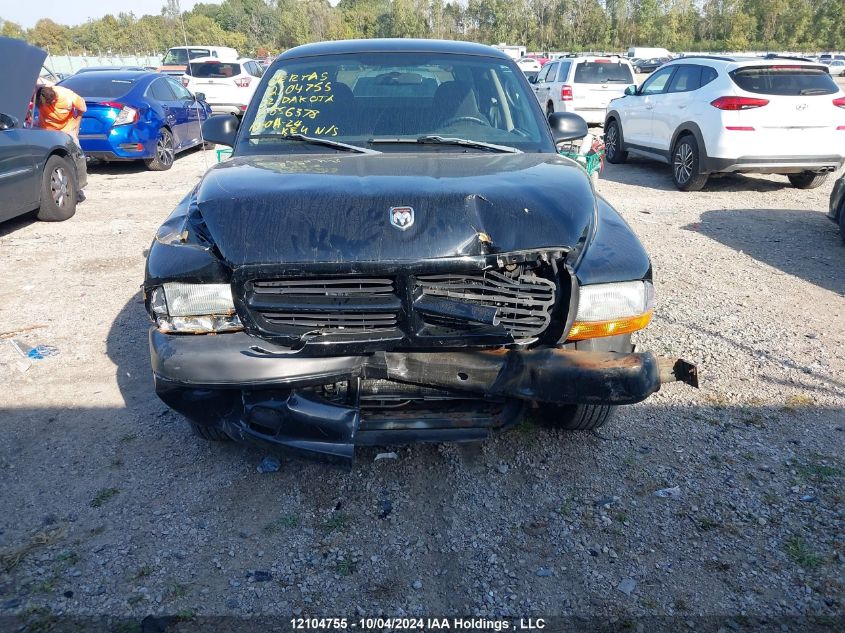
x: 396, y: 253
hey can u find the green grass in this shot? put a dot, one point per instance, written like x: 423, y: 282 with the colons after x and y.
x: 815, y: 470
x: 336, y: 522
x: 103, y: 495
x: 176, y: 590
x: 68, y: 558
x: 801, y: 553
x: 346, y: 567
x: 706, y: 523
x: 287, y: 521
x: 144, y: 571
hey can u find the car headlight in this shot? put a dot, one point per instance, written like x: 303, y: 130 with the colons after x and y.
x: 194, y: 308
x: 611, y: 309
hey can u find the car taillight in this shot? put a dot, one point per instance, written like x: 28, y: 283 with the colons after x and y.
x: 126, y: 115
x: 738, y: 103
x: 243, y: 82
x: 566, y: 93
x: 185, y: 81
x: 839, y: 102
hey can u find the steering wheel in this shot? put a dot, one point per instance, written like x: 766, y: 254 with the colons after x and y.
x: 469, y: 119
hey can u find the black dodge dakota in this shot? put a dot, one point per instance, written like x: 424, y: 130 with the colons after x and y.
x: 396, y: 252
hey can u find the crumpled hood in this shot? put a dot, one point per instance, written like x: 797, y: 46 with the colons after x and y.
x: 310, y: 209
x: 21, y: 66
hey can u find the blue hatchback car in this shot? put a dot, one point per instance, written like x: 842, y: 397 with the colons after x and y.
x: 137, y: 116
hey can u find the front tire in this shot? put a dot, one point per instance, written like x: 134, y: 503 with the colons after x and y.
x: 575, y: 417
x: 807, y: 180
x: 164, y: 152
x: 686, y: 163
x: 613, y: 143
x: 59, y: 191
x: 550, y: 109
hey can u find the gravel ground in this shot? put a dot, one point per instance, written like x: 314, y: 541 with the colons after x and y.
x: 109, y: 505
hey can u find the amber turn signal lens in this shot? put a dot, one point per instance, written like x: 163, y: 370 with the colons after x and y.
x: 595, y: 329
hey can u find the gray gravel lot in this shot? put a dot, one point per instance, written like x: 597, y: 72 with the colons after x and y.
x: 109, y: 505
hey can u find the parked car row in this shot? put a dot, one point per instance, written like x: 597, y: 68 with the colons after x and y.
x: 708, y: 115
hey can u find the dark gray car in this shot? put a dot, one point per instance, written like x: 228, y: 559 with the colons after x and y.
x: 39, y: 169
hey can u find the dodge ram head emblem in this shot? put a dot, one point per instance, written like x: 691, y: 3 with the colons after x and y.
x: 402, y: 217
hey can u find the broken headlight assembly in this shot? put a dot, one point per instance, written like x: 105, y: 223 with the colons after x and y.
x: 194, y: 308
x: 612, y: 309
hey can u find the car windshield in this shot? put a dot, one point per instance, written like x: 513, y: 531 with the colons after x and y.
x: 95, y: 85
x: 600, y: 72
x: 213, y: 70
x: 785, y: 80
x: 368, y: 98
x: 179, y: 56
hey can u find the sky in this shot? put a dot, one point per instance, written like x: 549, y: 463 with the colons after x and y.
x: 72, y: 12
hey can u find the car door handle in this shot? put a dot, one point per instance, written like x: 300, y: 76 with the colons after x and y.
x: 649, y: 106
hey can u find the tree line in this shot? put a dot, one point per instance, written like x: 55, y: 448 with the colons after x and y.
x: 267, y: 27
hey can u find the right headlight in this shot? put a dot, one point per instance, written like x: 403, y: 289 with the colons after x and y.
x: 611, y: 309
x: 194, y: 308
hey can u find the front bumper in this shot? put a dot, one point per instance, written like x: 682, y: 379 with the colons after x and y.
x: 228, y: 379
x: 774, y: 165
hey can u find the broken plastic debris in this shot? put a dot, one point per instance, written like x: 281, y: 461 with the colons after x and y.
x: 669, y: 493
x: 21, y: 361
x: 269, y: 465
x: 627, y: 586
x: 390, y: 455
x: 40, y: 352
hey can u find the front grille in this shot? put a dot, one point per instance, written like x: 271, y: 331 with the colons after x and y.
x: 338, y: 305
x: 524, y: 303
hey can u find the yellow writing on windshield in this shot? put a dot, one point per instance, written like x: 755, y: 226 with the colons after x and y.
x: 290, y: 105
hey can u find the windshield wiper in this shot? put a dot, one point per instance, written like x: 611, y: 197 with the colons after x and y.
x: 449, y: 140
x: 313, y: 140
x: 814, y: 91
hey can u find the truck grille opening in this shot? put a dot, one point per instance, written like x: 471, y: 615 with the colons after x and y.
x: 523, y: 301
x: 343, y: 305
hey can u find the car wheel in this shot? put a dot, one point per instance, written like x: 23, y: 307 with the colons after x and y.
x: 59, y: 193
x: 807, y: 180
x: 164, y: 152
x: 574, y: 417
x: 209, y: 433
x: 686, y: 164
x: 613, y: 143
x: 550, y: 109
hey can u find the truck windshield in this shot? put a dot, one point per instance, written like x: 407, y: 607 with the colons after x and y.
x: 180, y: 56
x: 361, y: 98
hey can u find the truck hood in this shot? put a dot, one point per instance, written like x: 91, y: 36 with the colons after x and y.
x: 21, y: 65
x: 325, y: 209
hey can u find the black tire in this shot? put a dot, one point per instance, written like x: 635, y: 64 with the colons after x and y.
x: 209, y: 433
x: 842, y: 223
x: 164, y: 153
x: 550, y: 109
x: 613, y: 143
x: 686, y: 163
x: 807, y: 180
x: 575, y: 417
x: 59, y: 190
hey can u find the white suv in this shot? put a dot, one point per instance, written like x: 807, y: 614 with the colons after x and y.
x: 583, y: 85
x: 704, y: 115
x: 227, y: 85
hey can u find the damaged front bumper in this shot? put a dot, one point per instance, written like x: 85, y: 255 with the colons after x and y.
x: 261, y: 392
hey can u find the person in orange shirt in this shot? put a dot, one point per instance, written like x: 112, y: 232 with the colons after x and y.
x: 60, y: 109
